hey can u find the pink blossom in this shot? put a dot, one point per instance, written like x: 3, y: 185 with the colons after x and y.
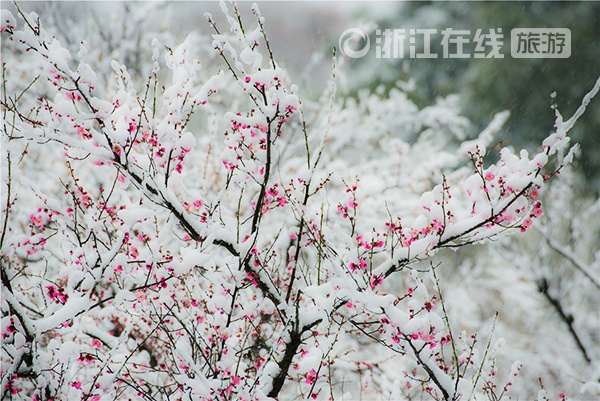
x: 83, y: 133
x: 74, y: 96
x: 8, y: 21
x: 38, y: 221
x: 507, y: 217
x: 311, y: 377
x: 56, y: 294
x: 375, y: 281
x: 259, y: 362
x: 446, y: 339
x: 141, y: 295
x: 436, y: 225
x: 533, y: 194
x: 11, y: 327
x: 86, y: 358
x: 526, y: 224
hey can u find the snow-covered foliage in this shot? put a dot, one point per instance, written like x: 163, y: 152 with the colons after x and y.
x: 188, y: 235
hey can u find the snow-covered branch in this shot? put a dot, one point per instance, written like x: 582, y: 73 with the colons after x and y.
x: 202, y: 236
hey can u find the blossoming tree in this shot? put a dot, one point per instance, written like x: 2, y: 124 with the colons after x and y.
x: 186, y: 235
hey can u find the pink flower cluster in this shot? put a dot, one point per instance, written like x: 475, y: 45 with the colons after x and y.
x: 311, y: 377
x: 375, y: 280
x: 274, y: 197
x: 535, y: 213
x: 42, y: 217
x: 10, y: 385
x: 348, y: 211
x: 9, y: 329
x: 362, y: 265
x: 409, y: 236
x: 57, y: 294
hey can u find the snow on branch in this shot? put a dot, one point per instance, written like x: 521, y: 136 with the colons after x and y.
x: 171, y: 236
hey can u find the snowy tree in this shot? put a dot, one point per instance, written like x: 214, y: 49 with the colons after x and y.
x: 175, y: 233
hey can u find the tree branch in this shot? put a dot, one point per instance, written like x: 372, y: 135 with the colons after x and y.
x: 567, y: 318
x: 290, y: 351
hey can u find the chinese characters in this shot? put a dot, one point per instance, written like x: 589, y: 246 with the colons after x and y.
x: 540, y: 43
x: 428, y: 43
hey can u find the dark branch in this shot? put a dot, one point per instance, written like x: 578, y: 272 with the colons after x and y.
x: 424, y: 365
x: 290, y: 350
x: 567, y: 318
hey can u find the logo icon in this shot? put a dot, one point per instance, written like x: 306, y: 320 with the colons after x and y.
x: 354, y: 43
